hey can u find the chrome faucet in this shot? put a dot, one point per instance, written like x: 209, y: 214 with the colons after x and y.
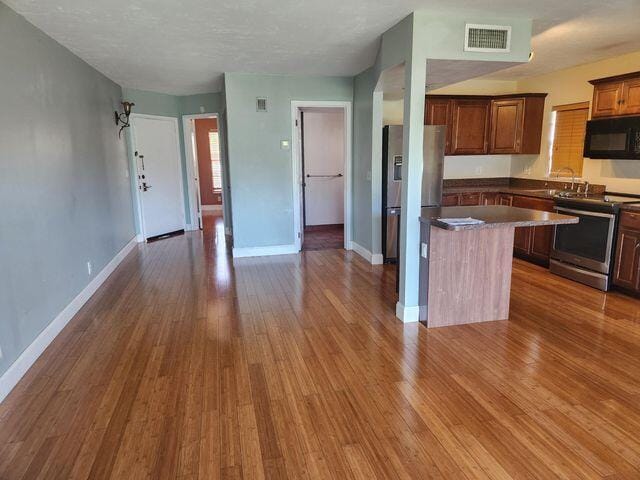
x: 573, y: 175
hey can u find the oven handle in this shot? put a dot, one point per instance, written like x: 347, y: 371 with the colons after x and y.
x: 584, y: 212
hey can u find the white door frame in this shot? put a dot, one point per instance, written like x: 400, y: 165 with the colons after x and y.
x: 193, y: 171
x: 174, y: 121
x: 296, y: 158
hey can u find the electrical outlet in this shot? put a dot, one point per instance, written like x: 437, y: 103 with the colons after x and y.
x: 284, y: 144
x: 1, y: 354
x: 478, y: 170
x: 527, y: 171
x: 424, y: 250
x: 89, y: 268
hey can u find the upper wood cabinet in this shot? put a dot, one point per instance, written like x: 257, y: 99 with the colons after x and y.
x: 516, y: 125
x: 438, y: 112
x: 615, y: 96
x: 478, y: 125
x: 469, y: 127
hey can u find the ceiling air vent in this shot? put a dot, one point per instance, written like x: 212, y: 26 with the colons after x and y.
x: 487, y: 38
x: 261, y: 104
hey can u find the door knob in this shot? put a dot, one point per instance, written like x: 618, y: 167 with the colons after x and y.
x: 145, y: 187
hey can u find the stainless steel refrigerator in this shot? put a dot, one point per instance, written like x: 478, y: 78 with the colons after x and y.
x: 432, y: 172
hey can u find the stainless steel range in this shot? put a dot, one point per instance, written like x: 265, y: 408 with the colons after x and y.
x: 584, y: 251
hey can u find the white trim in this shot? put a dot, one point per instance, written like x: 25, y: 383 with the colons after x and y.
x: 407, y: 314
x: 180, y: 178
x: 17, y: 370
x: 211, y: 208
x: 139, y: 238
x: 373, y: 259
x: 297, y: 168
x: 265, y: 251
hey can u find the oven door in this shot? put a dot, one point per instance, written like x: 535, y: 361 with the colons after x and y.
x: 588, y: 243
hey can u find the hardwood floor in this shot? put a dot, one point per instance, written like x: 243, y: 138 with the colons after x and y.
x: 189, y: 365
x: 323, y: 237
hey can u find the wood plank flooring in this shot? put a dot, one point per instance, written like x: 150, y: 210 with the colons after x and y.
x: 189, y: 365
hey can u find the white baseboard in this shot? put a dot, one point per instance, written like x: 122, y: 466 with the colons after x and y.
x: 407, y: 314
x: 16, y: 371
x: 372, y: 258
x: 264, y: 251
x: 211, y: 208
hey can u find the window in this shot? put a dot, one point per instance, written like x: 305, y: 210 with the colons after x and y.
x: 216, y: 168
x: 567, y: 144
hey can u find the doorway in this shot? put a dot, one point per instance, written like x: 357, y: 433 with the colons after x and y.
x: 205, y: 167
x: 322, y: 158
x: 158, y: 175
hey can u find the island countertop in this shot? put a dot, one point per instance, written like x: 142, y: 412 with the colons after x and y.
x: 494, y: 216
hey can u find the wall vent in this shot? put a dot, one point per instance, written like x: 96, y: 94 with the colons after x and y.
x: 261, y: 104
x: 487, y: 38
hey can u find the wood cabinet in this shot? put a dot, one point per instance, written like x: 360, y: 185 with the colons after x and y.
x: 615, y: 96
x: 438, y: 112
x: 627, y: 259
x: 516, y: 125
x: 479, y: 125
x: 533, y: 243
x: 450, y: 200
x: 469, y: 126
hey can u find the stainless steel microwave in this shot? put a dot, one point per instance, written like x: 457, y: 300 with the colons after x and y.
x: 613, y: 138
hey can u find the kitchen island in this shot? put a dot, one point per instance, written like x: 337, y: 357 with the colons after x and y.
x: 465, y: 270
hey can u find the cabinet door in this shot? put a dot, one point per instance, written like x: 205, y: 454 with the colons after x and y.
x: 522, y: 240
x: 438, y: 112
x: 630, y: 97
x: 541, y: 240
x: 488, y: 198
x: 450, y: 200
x: 468, y: 199
x: 606, y: 99
x: 506, y: 125
x: 627, y: 254
x: 469, y: 127
x: 504, y: 199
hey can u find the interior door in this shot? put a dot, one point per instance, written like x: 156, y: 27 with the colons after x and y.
x: 323, y: 153
x: 159, y: 174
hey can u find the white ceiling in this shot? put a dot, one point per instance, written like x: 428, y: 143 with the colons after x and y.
x: 182, y: 47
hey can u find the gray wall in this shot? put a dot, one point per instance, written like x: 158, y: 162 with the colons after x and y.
x: 65, y: 195
x: 364, y: 85
x: 153, y: 103
x: 261, y: 172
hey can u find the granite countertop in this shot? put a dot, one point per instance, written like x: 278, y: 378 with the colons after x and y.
x: 538, y: 193
x: 494, y: 216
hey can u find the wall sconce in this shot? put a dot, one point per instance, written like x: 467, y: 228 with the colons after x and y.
x: 123, y: 118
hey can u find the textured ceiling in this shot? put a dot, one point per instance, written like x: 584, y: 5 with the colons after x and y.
x: 182, y: 47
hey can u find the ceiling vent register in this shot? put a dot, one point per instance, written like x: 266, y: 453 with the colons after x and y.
x: 487, y: 38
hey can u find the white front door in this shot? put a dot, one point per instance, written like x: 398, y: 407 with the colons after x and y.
x: 323, y: 148
x: 159, y: 176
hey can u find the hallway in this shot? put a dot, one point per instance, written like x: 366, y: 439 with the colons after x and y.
x: 188, y: 364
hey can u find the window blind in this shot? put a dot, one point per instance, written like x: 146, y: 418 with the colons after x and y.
x: 568, y: 138
x: 216, y: 168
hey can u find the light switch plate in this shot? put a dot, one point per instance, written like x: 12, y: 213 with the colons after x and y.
x: 424, y: 250
x: 284, y: 144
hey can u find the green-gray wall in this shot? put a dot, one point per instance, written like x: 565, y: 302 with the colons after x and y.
x: 153, y: 103
x: 64, y: 191
x: 363, y: 88
x: 261, y: 172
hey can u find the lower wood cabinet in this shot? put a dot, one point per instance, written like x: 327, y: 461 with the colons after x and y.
x: 627, y: 259
x: 533, y: 243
